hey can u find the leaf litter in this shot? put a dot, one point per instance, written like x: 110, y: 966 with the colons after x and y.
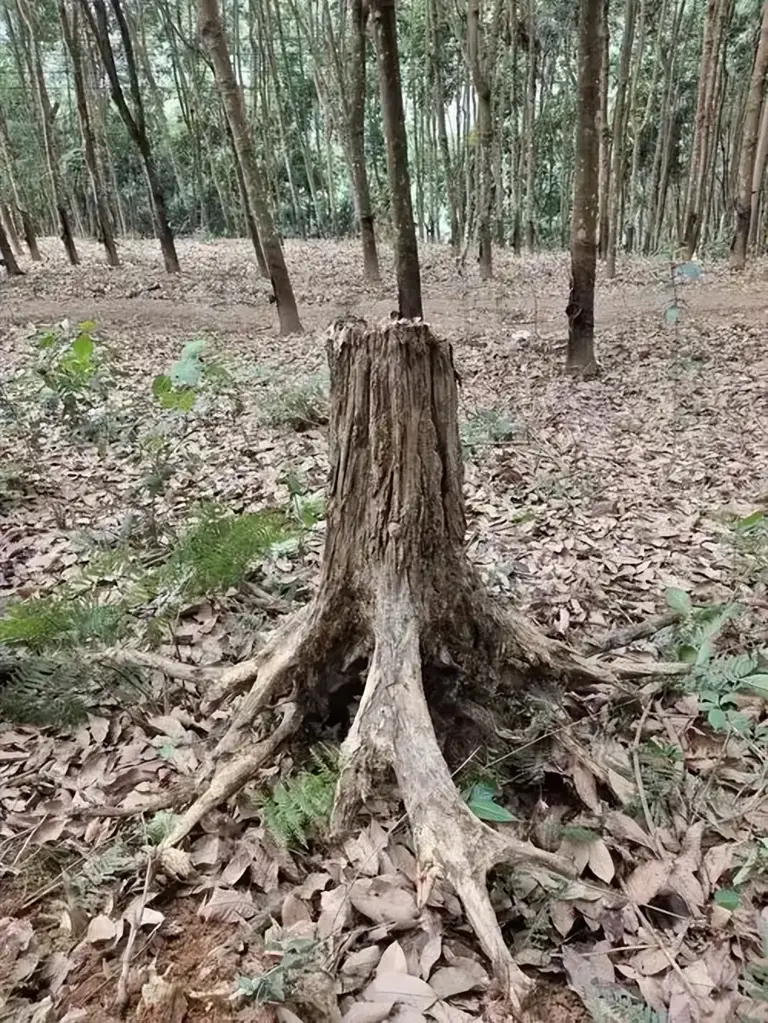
x: 586, y: 503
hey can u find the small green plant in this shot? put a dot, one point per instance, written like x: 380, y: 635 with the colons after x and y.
x: 750, y: 541
x: 491, y: 426
x: 177, y: 389
x: 678, y: 274
x: 699, y: 626
x: 159, y: 825
x: 41, y: 623
x: 302, y: 406
x: 662, y: 767
x: 73, y: 370
x: 622, y: 1007
x: 481, y: 800
x: 298, y: 956
x: 218, y: 551
x: 302, y: 805
x: 307, y: 506
x: 57, y: 690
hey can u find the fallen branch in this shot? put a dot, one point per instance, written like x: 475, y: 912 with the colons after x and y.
x: 631, y: 633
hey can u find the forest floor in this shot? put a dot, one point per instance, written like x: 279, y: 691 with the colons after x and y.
x: 592, y: 506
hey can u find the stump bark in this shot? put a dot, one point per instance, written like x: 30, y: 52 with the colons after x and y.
x: 401, y: 609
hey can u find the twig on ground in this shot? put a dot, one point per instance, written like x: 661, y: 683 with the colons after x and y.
x: 122, y: 996
x: 634, y: 753
x: 631, y: 633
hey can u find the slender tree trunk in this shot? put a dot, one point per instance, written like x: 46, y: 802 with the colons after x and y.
x: 449, y: 171
x: 758, y: 175
x: 6, y: 251
x: 356, y: 129
x: 529, y: 132
x: 250, y: 221
x: 481, y: 53
x: 10, y: 228
x: 213, y: 37
x: 619, y: 136
x: 749, y: 147
x: 581, y: 302
x: 605, y: 133
x: 406, y: 247
x: 71, y: 34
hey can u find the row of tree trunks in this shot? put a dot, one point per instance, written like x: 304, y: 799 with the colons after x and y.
x: 716, y: 19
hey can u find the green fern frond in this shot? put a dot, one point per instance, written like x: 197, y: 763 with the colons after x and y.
x: 160, y: 825
x: 302, y: 804
x: 218, y: 551
x: 58, y: 690
x: 39, y: 691
x: 621, y: 1007
x: 40, y: 623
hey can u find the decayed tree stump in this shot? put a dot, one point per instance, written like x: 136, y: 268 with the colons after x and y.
x: 399, y: 606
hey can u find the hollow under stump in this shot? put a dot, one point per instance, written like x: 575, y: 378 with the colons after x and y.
x: 399, y: 607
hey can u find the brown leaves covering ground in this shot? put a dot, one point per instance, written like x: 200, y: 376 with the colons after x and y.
x: 598, y: 497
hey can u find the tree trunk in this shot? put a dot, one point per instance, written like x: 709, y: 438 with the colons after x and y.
x: 529, y: 115
x: 619, y: 137
x: 47, y: 121
x: 581, y: 303
x: 71, y: 34
x: 211, y: 32
x: 356, y: 130
x: 253, y: 230
x: 135, y: 122
x: 6, y: 216
x: 605, y: 133
x: 29, y: 236
x: 406, y: 247
x: 481, y: 55
x: 6, y: 251
x: 449, y: 173
x: 749, y: 147
x: 761, y: 162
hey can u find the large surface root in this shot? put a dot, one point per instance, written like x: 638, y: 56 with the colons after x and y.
x: 232, y: 776
x: 393, y: 729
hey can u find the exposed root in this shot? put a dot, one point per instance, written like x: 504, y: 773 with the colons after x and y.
x: 237, y: 678
x: 393, y: 729
x: 527, y: 647
x: 171, y: 798
x: 232, y: 776
x: 173, y: 669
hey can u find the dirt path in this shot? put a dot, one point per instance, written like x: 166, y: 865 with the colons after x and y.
x: 218, y: 290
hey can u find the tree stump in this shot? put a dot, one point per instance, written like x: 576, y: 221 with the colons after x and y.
x: 401, y: 610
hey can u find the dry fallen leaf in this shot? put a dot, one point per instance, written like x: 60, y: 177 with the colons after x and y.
x: 100, y: 929
x: 401, y: 987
